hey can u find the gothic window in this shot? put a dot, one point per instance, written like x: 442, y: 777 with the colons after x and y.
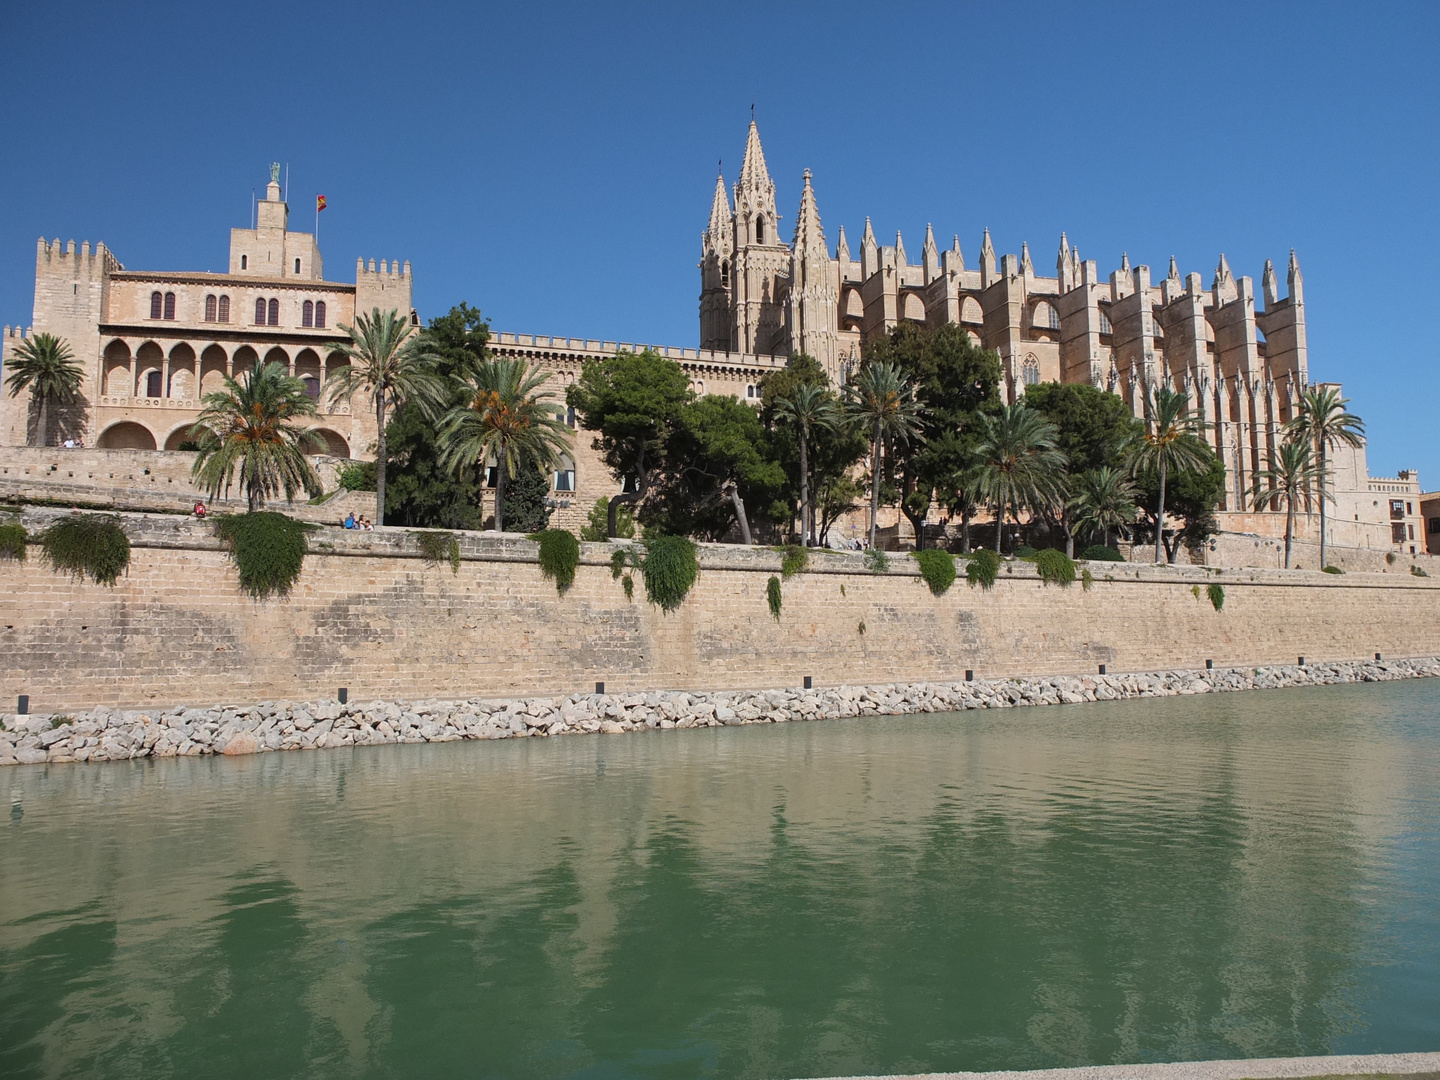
x: 1046, y: 317
x: 320, y: 314
x: 155, y: 301
x: 222, y: 313
x: 210, y: 308
x: 1105, y: 327
x: 312, y: 387
x: 307, y: 314
x: 724, y: 273
x: 260, y: 312
x: 169, y: 305
x: 970, y: 311
x: 1031, y: 371
x: 274, y: 312
x: 759, y: 228
x: 152, y: 384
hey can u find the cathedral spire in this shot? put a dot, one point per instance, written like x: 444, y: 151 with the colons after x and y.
x: 809, y: 235
x: 901, y: 260
x: 869, y: 252
x: 842, y: 247
x: 1174, y: 274
x: 720, y: 220
x: 987, y: 259
x: 755, y: 196
x: 1125, y: 262
x: 1026, y: 266
x: 930, y: 256
x: 1222, y: 271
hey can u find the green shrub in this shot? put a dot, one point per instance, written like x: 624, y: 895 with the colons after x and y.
x: 1390, y: 558
x: 1217, y: 596
x: 1055, y: 567
x: 268, y: 548
x: 88, y: 545
x: 1087, y: 579
x: 1418, y: 571
x: 357, y: 476
x: 772, y: 596
x: 188, y: 444
x: 876, y: 561
x: 60, y: 721
x: 620, y: 560
x: 12, y: 541
x: 796, y: 560
x: 983, y: 569
x: 559, y: 556
x: 628, y: 584
x: 439, y: 546
x: 670, y: 567
x: 1101, y: 553
x: 1025, y: 551
x: 596, y: 525
x: 937, y: 568
x: 1332, y: 570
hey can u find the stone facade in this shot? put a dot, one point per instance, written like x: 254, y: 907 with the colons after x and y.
x: 153, y: 342
x: 369, y: 613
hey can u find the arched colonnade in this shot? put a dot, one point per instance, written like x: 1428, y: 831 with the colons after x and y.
x: 188, y: 371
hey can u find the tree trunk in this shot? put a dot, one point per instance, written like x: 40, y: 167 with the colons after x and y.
x: 42, y: 422
x: 965, y: 529
x: 806, y: 521
x: 612, y: 523
x: 1290, y: 528
x: 380, y: 459
x: 1160, y: 515
x: 1323, y: 563
x: 500, y: 489
x: 740, y: 512
x: 874, y: 482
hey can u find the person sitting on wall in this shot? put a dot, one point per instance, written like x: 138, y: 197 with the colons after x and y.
x: 350, y: 520
x: 199, y: 509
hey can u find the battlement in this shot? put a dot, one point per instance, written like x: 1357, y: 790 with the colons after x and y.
x: 590, y: 348
x: 52, y: 257
x: 392, y: 269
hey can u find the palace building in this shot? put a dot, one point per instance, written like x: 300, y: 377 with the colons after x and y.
x: 153, y: 342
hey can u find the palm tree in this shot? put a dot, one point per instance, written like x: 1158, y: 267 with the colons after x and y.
x: 1104, y: 499
x: 882, y: 402
x: 45, y: 364
x: 1017, y: 463
x: 1171, y: 441
x: 1324, y: 422
x: 809, y: 407
x: 248, y: 427
x: 506, y: 416
x: 1292, y: 476
x: 392, y: 365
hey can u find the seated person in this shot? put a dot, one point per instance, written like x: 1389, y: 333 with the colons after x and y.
x: 350, y: 520
x: 199, y: 509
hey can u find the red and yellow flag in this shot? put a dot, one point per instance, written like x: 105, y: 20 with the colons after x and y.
x: 319, y: 203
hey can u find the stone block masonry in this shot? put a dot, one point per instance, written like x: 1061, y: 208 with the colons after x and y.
x: 370, y: 614
x: 104, y: 734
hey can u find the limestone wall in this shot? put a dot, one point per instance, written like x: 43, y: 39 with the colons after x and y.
x: 370, y: 614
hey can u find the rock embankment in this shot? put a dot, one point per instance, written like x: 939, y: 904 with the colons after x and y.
x: 105, y: 734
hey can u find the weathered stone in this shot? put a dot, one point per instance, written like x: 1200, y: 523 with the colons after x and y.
x: 242, y: 743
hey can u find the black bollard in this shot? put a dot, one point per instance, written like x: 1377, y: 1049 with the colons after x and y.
x: 1209, y: 665
x: 1302, y: 661
x: 969, y: 675
x: 344, y: 694
x: 809, y: 683
x: 23, y: 705
x: 1377, y: 656
x: 599, y: 688
x: 1102, y: 669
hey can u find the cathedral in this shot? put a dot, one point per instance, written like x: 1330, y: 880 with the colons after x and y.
x: 1243, y: 365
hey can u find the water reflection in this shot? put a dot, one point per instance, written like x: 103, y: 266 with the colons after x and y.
x: 1245, y: 876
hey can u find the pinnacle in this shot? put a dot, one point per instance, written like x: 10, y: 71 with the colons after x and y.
x: 809, y: 235
x: 720, y: 209
x: 752, y: 169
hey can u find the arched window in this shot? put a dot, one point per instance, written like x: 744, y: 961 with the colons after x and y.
x: 210, y: 307
x: 750, y: 390
x: 152, y: 384
x: 169, y: 305
x: 724, y: 273
x: 223, y: 310
x: 307, y: 314
x: 297, y: 266
x: 759, y: 228
x: 1105, y: 327
x: 1046, y: 317
x: 1031, y: 371
x: 244, y: 261
x: 260, y: 312
x: 156, y: 300
x: 320, y: 314
x: 274, y: 312
x: 312, y: 387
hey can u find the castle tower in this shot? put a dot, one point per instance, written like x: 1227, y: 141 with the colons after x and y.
x: 761, y: 259
x: 812, y: 313
x: 717, y: 249
x: 271, y: 250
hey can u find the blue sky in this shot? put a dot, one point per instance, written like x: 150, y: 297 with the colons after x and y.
x: 553, y: 164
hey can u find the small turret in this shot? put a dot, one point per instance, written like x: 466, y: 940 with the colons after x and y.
x: 842, y: 247
x: 1026, y: 266
x: 1296, y: 282
x: 987, y: 259
x: 1269, y: 287
x: 900, y: 258
x: 930, y: 256
x: 869, y: 252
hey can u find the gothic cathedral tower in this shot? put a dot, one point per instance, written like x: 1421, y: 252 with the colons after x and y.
x: 761, y: 259
x: 717, y: 250
x: 812, y: 308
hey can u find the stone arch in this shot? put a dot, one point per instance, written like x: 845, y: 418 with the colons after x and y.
x: 974, y: 337
x: 126, y: 435
x: 149, y: 362
x: 180, y: 434
x: 913, y: 307
x: 182, y: 372
x: 970, y: 311
x: 212, y: 369
x: 307, y: 370
x: 852, y: 304
x: 116, y: 380
x: 279, y: 356
x: 1044, y: 316
x: 335, y: 444
x: 245, y: 361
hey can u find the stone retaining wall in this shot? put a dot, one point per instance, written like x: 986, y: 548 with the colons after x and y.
x: 105, y: 734
x: 370, y: 614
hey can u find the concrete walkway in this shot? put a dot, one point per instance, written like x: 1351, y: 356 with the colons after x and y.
x: 1243, y: 1069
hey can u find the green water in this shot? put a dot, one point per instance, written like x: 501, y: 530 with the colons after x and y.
x: 1239, y: 875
